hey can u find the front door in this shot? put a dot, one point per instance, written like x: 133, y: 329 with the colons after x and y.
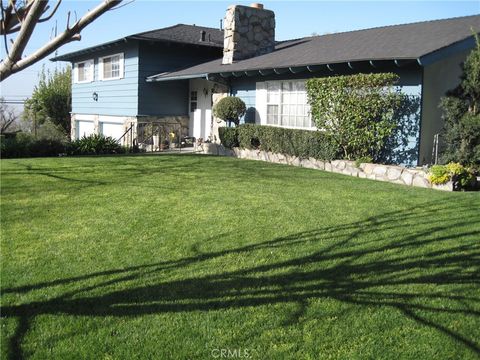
x: 200, y: 107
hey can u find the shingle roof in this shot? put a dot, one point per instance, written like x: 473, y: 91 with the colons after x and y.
x: 397, y: 42
x: 186, y: 34
x: 180, y: 33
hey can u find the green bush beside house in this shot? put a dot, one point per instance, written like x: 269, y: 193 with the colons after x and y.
x: 26, y: 145
x: 301, y: 143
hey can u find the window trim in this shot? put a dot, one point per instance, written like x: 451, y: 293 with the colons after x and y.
x: 265, y: 107
x: 91, y: 64
x: 121, y: 65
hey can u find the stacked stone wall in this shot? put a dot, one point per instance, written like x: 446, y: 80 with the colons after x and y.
x: 248, y: 32
x: 389, y: 173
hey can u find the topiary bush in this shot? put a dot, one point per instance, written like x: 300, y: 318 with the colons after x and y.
x: 301, y: 143
x: 95, y: 145
x: 230, y: 109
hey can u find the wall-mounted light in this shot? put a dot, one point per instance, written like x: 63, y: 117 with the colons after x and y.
x: 205, y: 92
x: 95, y: 96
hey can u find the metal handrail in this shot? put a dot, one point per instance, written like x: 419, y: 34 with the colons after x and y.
x: 125, y: 133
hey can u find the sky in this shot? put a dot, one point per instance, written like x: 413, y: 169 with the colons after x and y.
x: 294, y: 19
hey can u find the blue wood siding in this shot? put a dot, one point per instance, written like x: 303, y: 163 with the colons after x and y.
x: 245, y: 90
x: 167, y: 98
x: 115, y: 97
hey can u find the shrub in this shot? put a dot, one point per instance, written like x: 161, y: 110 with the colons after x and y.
x: 230, y: 109
x: 25, y: 145
x: 462, y: 177
x: 301, y: 143
x: 461, y: 112
x: 363, y: 160
x: 438, y: 174
x: 360, y: 112
x: 95, y: 145
x: 228, y: 137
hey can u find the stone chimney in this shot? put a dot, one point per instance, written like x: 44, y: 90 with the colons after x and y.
x: 249, y: 31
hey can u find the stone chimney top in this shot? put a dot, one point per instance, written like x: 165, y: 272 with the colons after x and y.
x: 256, y: 5
x: 249, y: 31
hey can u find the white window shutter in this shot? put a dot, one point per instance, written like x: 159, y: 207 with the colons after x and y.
x: 93, y: 69
x: 121, y: 62
x: 75, y: 73
x: 261, y: 103
x: 90, y: 70
x: 100, y: 69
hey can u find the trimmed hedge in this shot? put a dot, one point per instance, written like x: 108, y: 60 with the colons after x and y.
x: 23, y: 146
x: 228, y: 136
x: 301, y: 143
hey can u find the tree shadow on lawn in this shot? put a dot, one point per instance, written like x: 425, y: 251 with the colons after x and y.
x: 170, y: 166
x: 398, y: 260
x: 173, y: 169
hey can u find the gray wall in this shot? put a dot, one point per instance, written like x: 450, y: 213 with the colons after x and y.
x: 438, y: 78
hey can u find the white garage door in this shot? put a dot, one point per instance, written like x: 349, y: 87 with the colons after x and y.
x: 84, y: 128
x: 111, y: 129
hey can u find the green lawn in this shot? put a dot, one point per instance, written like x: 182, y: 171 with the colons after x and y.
x: 183, y: 257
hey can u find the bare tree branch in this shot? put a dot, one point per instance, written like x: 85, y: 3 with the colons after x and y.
x: 13, y: 16
x: 26, y: 31
x: 7, y: 116
x: 52, y: 13
x: 14, y: 62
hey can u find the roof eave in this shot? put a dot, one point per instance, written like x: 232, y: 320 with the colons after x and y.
x: 293, y: 69
x: 160, y: 78
x: 75, y: 54
x: 449, y: 50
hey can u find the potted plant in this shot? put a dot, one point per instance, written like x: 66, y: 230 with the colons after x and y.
x: 171, y: 136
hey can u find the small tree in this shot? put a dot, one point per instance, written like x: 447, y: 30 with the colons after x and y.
x: 230, y: 109
x: 51, y: 99
x: 8, y: 117
x: 461, y: 113
x: 359, y: 112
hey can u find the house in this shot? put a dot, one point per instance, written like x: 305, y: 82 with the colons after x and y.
x: 110, y: 94
x: 175, y: 75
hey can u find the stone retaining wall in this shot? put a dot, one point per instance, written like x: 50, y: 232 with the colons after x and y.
x: 389, y: 173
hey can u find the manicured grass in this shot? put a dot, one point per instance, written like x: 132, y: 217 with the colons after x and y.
x: 183, y: 257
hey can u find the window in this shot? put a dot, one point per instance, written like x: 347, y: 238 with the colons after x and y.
x: 287, y: 104
x: 111, y: 67
x: 83, y: 71
x: 193, y: 101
